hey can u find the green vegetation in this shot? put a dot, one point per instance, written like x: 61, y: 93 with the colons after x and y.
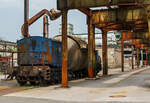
x: 32, y: 87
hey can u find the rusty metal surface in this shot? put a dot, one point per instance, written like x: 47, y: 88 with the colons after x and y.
x: 75, y: 4
x: 130, y: 16
x: 26, y: 18
x: 91, y: 69
x: 53, y: 15
x: 44, y: 26
x: 64, y: 50
x: 104, y: 52
x: 122, y: 50
x: 132, y: 57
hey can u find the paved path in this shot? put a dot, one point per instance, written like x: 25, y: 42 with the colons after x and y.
x: 129, y: 87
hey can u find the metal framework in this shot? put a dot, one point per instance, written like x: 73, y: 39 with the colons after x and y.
x: 122, y: 15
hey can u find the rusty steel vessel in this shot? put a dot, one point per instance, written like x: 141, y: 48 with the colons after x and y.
x: 40, y: 60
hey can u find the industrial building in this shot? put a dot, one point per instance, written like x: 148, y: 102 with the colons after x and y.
x: 98, y: 36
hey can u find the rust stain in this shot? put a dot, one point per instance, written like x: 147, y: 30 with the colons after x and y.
x: 121, y: 92
x: 98, y: 90
x: 64, y: 74
x: 118, y: 96
x: 4, y: 87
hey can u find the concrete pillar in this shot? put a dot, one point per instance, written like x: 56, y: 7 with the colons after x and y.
x: 64, y: 50
x: 122, y: 51
x: 26, y: 18
x: 91, y: 46
x: 104, y: 53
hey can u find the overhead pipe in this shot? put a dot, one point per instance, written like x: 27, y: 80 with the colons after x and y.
x: 53, y: 15
x: 26, y: 18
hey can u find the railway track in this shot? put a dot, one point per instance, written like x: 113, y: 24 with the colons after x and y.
x: 5, y: 91
x: 7, y: 87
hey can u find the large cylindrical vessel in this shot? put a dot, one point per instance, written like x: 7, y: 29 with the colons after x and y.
x: 77, y: 53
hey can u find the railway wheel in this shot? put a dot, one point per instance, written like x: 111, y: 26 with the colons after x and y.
x: 22, y: 83
x: 21, y: 80
x: 33, y: 83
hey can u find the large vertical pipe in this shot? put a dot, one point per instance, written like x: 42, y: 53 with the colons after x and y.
x: 132, y: 57
x: 90, y: 48
x: 26, y: 18
x: 44, y: 26
x: 104, y: 52
x: 122, y: 51
x: 47, y: 34
x: 64, y: 50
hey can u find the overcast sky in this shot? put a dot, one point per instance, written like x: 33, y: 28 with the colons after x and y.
x: 12, y: 17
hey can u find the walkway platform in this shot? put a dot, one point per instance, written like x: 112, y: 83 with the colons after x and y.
x: 132, y: 86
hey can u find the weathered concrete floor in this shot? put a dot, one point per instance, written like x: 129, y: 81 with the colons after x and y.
x: 128, y: 87
x: 4, y: 84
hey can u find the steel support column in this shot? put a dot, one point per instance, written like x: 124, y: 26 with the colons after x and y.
x: 137, y: 58
x: 94, y: 58
x: 132, y: 57
x: 104, y: 52
x: 91, y: 69
x: 64, y: 50
x: 142, y: 60
x: 122, y: 51
x: 146, y: 57
x: 26, y: 18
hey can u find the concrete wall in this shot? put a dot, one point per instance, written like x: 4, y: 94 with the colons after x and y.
x: 114, y: 58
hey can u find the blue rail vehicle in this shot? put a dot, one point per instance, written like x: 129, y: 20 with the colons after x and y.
x: 40, y: 60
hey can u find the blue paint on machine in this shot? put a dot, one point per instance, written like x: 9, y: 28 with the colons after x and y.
x: 39, y: 51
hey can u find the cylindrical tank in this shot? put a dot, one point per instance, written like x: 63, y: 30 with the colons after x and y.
x: 77, y: 52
